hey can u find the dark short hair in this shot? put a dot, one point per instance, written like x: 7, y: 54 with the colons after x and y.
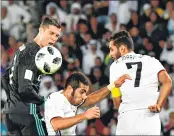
x: 51, y: 21
x: 75, y: 79
x: 122, y: 37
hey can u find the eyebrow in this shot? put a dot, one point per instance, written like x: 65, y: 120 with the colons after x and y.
x: 84, y: 90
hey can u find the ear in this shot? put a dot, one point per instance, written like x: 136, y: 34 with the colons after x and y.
x: 70, y: 89
x: 122, y: 48
x: 40, y: 29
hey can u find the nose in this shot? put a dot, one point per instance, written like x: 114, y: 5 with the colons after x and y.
x: 84, y: 96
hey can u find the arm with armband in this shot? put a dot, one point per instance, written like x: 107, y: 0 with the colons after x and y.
x: 116, y: 96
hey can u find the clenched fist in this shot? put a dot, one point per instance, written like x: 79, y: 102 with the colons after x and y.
x: 92, y: 113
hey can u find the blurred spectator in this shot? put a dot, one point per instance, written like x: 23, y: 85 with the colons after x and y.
x: 74, y: 49
x: 97, y: 29
x: 3, y: 128
x: 170, y: 24
x: 106, y: 131
x: 70, y: 67
x: 138, y: 41
x: 4, y: 62
x: 113, y: 25
x: 88, y: 10
x: 58, y: 79
x: 5, y: 22
x: 146, y: 13
x: 167, y: 53
x: 113, y: 125
x: 84, y: 48
x: 53, y: 10
x: 98, y: 78
x: 168, y: 10
x: 101, y: 8
x: 134, y: 21
x: 169, y: 128
x: 19, y: 17
x: 156, y: 7
x: 77, y: 65
x: 164, y: 114
x: 89, y: 59
x: 83, y: 29
x: 13, y: 47
x: 123, y: 27
x: 74, y: 16
x: 99, y: 64
x: 124, y: 13
x: 47, y: 86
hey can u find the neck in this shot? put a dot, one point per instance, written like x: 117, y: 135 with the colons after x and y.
x: 126, y: 52
x: 37, y: 40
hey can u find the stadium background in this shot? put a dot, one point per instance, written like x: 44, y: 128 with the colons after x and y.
x: 86, y: 26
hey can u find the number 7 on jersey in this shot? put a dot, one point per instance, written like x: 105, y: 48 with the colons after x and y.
x: 138, y: 72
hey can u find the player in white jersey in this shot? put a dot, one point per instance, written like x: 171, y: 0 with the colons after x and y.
x: 60, y: 107
x: 139, y: 102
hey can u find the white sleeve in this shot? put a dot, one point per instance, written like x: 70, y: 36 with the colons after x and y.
x: 157, y: 66
x: 54, y: 108
x: 113, y: 73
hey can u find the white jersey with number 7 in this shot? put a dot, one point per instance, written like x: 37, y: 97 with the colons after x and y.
x: 142, y: 90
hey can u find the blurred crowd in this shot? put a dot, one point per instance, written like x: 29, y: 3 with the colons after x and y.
x: 86, y: 27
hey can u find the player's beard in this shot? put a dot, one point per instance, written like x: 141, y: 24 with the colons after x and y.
x: 118, y: 55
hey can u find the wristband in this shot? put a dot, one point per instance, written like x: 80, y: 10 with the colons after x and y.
x: 111, y: 86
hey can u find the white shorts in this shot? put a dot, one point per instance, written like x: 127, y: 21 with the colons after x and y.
x: 138, y: 122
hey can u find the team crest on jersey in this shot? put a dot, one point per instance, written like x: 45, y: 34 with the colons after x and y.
x: 39, y: 77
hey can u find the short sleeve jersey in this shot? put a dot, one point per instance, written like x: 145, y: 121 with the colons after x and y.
x: 57, y: 105
x: 142, y: 90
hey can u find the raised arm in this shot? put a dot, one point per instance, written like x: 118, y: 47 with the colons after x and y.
x: 99, y: 95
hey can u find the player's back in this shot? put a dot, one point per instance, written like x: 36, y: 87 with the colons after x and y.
x: 142, y: 90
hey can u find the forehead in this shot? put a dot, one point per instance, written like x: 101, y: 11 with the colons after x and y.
x: 111, y: 44
x: 54, y: 29
x: 85, y: 87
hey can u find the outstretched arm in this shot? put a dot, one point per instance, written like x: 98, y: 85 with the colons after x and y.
x: 103, y: 92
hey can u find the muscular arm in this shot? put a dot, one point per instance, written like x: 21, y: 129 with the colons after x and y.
x: 116, y: 101
x: 166, y: 87
x: 105, y: 91
x: 97, y: 96
x: 59, y: 123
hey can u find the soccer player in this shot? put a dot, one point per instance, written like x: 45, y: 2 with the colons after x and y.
x: 60, y: 107
x: 21, y: 82
x: 139, y: 100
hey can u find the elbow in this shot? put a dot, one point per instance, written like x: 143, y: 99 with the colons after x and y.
x: 169, y: 83
x: 55, y: 125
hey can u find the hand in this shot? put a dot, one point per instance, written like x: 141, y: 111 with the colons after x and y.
x: 92, y: 113
x: 155, y: 108
x: 121, y: 80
